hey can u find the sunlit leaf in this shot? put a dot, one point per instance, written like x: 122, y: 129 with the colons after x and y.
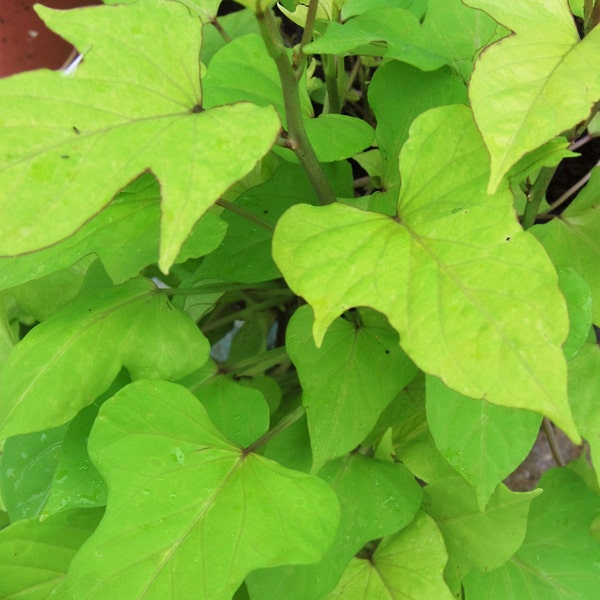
x: 136, y: 98
x: 453, y: 282
x: 517, y: 81
x: 189, y: 514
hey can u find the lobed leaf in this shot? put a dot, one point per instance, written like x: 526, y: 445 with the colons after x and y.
x: 447, y: 271
x: 136, y: 98
x: 531, y: 86
x: 189, y: 514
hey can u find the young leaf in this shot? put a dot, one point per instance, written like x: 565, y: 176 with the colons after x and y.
x: 389, y: 32
x: 572, y: 240
x: 407, y: 565
x: 485, y: 443
x: 554, y: 87
x: 348, y: 381
x: 135, y: 98
x: 447, y: 271
x: 35, y: 556
x: 66, y: 362
x: 189, y: 514
x: 377, y: 499
x: 559, y: 558
x: 478, y: 539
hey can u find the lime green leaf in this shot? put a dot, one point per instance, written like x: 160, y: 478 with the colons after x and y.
x: 405, y: 566
x: 77, y: 483
x: 458, y: 33
x: 559, y: 558
x: 348, y: 381
x: 584, y: 391
x: 27, y: 471
x: 335, y: 137
x: 58, y: 130
x: 34, y: 556
x: 399, y: 93
x: 389, y: 32
x: 239, y: 412
x: 244, y: 71
x: 478, y: 539
x: 205, y: 9
x: 190, y: 515
x: 352, y: 8
x: 574, y: 239
x: 579, y: 302
x: 454, y: 284
x: 46, y: 382
x: 554, y: 88
x: 490, y: 443
x: 377, y: 499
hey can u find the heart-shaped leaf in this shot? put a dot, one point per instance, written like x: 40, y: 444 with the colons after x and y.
x: 447, y: 270
x: 189, y: 514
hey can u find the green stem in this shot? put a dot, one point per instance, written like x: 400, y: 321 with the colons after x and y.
x: 215, y: 23
x: 297, y: 137
x: 309, y: 26
x: 259, y: 362
x: 552, y: 442
x: 212, y: 288
x: 245, y: 312
x: 283, y: 424
x: 334, y: 104
x: 536, y: 195
x: 238, y: 210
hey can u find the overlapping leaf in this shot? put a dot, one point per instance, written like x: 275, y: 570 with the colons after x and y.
x: 559, y: 558
x: 189, y: 514
x: 398, y: 93
x: 532, y: 86
x: 35, y: 557
x: 135, y: 99
x: 574, y: 239
x: 448, y: 272
x: 66, y: 362
x: 377, y: 499
x: 125, y: 236
x: 348, y: 381
x: 478, y: 539
x: 390, y: 32
x: 484, y: 443
x: 404, y: 566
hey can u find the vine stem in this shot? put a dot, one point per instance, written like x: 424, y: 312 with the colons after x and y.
x: 552, y: 442
x: 215, y: 23
x: 535, y: 196
x: 297, y: 138
x: 283, y: 424
x: 238, y: 210
x: 574, y: 188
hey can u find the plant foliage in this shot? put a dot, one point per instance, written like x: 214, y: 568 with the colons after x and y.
x: 283, y: 303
